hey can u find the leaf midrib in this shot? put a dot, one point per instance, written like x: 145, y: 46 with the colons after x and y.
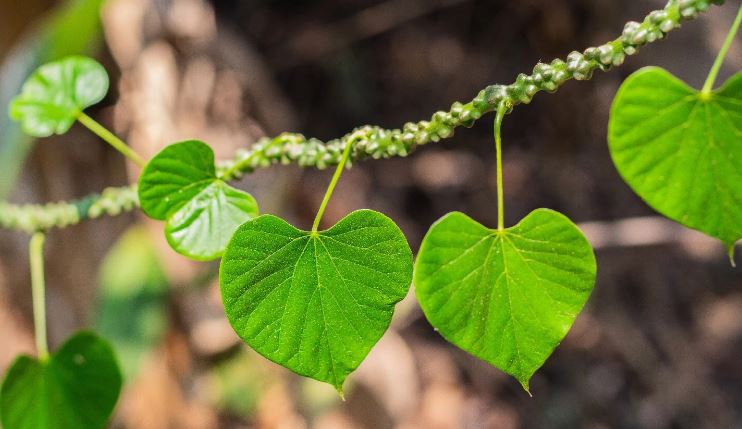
x: 204, y: 182
x: 499, y: 239
x: 322, y: 311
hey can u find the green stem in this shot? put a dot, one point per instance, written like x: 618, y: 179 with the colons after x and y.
x: 709, y: 85
x: 110, y: 138
x: 333, y: 183
x: 236, y: 170
x: 36, y: 256
x: 498, y: 149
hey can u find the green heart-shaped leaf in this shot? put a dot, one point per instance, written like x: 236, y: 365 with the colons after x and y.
x: 76, y: 388
x: 681, y: 150
x: 180, y: 185
x: 315, y: 303
x: 508, y: 297
x: 56, y: 93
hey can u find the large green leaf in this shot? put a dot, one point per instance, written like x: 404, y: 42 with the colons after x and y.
x: 76, y: 388
x: 179, y: 185
x: 681, y: 151
x: 508, y: 297
x: 56, y: 93
x: 315, y: 303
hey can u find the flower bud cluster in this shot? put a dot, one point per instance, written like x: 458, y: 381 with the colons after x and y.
x: 33, y: 217
x: 368, y: 142
x: 581, y: 65
x: 375, y: 142
x: 689, y: 9
x: 111, y: 202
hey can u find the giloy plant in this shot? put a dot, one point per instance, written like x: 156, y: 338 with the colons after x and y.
x: 317, y: 300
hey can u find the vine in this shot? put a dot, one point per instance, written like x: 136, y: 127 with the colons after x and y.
x: 317, y: 301
x: 375, y: 142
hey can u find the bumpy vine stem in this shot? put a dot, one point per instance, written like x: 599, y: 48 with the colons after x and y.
x: 34, y: 217
x: 375, y: 142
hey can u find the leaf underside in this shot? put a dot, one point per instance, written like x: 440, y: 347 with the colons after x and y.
x: 54, y: 95
x: 76, y: 388
x: 508, y: 297
x: 179, y: 185
x: 315, y: 303
x: 680, y: 151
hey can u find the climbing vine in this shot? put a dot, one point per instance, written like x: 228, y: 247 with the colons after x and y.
x: 316, y: 299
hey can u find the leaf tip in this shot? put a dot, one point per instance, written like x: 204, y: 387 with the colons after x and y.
x: 730, y: 252
x: 341, y: 394
x: 526, y: 387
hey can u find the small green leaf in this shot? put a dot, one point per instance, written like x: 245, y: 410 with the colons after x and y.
x: 71, y: 27
x: 508, y: 297
x: 179, y: 185
x: 681, y: 150
x: 56, y: 93
x: 315, y: 303
x: 76, y: 388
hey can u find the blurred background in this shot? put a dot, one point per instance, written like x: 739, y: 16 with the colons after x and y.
x: 658, y: 346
